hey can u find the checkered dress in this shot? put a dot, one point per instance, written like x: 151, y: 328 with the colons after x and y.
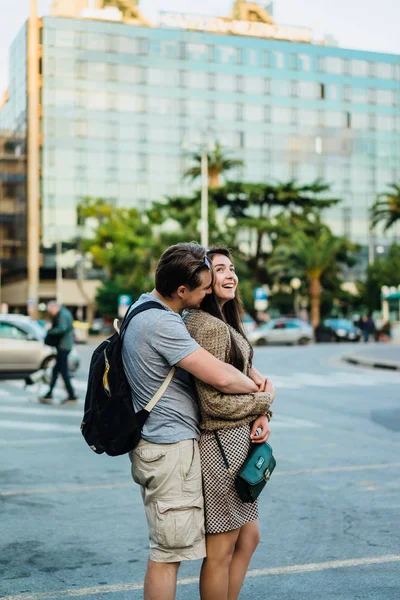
x: 224, y: 511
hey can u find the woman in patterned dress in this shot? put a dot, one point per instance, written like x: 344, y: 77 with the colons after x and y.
x: 232, y: 531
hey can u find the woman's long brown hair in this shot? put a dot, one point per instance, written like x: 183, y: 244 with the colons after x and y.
x: 231, y: 313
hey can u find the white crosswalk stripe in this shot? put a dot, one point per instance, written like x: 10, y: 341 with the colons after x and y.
x: 36, y: 426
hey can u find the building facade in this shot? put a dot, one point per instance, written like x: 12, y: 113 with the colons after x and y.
x: 122, y: 104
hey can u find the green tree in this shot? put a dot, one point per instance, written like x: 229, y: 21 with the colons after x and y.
x: 218, y: 163
x: 386, y: 210
x: 179, y: 218
x: 310, y: 258
x: 122, y: 244
x: 267, y: 214
x: 384, y: 271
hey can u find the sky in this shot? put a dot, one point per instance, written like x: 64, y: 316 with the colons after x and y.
x: 361, y: 24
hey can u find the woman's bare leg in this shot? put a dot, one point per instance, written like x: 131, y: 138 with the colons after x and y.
x: 214, y: 575
x: 246, y: 544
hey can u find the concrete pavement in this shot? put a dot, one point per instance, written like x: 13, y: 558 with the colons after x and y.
x: 376, y: 355
x: 72, y: 523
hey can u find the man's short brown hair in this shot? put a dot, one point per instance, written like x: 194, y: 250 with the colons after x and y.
x: 180, y: 264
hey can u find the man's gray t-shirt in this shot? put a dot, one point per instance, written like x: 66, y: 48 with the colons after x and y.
x: 155, y: 341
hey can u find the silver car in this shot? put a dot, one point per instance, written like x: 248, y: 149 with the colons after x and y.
x: 23, y: 351
x: 282, y: 331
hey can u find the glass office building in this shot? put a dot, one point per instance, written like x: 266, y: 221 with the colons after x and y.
x: 122, y: 105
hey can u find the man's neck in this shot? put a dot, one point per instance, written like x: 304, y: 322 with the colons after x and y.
x: 173, y: 303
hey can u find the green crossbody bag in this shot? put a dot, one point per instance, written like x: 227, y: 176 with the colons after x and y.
x: 255, y: 471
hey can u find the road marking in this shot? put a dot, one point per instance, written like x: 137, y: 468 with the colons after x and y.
x: 111, y: 486
x: 34, y: 426
x: 284, y: 422
x: 42, y: 410
x: 37, y: 442
x: 288, y: 570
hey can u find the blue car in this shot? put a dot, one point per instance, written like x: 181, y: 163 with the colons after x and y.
x: 338, y: 330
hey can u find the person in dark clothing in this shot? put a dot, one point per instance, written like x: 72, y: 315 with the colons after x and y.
x: 61, y: 336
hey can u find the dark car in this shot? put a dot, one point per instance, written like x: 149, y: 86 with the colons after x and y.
x: 337, y: 330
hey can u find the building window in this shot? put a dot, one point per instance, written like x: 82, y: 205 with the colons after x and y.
x: 371, y: 95
x: 81, y: 128
x: 81, y: 69
x: 182, y: 51
x: 281, y: 115
x: 280, y: 87
x: 384, y: 70
x: 239, y: 112
x: 304, y: 62
x: 371, y: 122
x: 240, y: 84
x: 322, y: 91
x: 241, y: 139
x: 333, y: 64
x: 347, y: 93
x: 225, y: 82
x: 254, y: 113
x: 359, y: 120
x: 225, y: 111
x: 277, y: 60
x: 142, y: 162
x: 211, y: 81
x: 348, y: 120
x: 253, y: 85
x: 169, y: 49
x: 346, y: 67
x: 254, y: 58
x: 318, y: 145
x: 293, y: 89
x: 112, y: 43
x: 226, y: 55
x: 293, y: 61
x: 197, y: 52
x: 384, y: 97
x: 359, y: 68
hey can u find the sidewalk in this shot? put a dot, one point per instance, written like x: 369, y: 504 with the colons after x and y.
x: 377, y: 355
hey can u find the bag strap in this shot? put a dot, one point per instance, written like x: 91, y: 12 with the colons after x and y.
x: 224, y: 458
x: 124, y: 326
x: 136, y: 311
x: 149, y: 407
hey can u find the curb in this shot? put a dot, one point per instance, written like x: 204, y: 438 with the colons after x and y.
x: 389, y: 365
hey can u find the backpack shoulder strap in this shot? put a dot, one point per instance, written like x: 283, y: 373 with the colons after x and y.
x: 150, y: 405
x: 136, y: 311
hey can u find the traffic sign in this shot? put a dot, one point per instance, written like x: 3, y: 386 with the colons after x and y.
x: 260, y: 299
x: 260, y: 293
x: 124, y: 302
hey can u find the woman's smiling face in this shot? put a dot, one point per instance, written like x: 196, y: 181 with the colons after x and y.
x: 225, y: 278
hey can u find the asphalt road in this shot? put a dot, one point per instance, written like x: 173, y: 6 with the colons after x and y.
x: 72, y: 523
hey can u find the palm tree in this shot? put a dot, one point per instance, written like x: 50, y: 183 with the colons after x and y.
x: 386, y: 209
x: 309, y: 257
x: 218, y: 162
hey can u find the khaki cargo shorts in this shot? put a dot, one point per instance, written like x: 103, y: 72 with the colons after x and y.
x: 170, y: 480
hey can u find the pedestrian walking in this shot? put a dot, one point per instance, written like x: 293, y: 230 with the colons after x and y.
x: 232, y: 532
x: 61, y: 337
x: 166, y: 462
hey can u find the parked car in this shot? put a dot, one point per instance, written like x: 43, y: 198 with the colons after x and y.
x: 282, y: 331
x: 249, y: 323
x: 337, y: 330
x: 23, y: 351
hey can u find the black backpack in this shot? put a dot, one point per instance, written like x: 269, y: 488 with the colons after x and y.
x: 110, y: 423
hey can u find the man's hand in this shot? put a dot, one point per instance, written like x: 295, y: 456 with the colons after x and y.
x: 260, y: 423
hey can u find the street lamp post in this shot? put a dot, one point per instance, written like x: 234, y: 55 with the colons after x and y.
x: 295, y: 284
x: 204, y: 197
